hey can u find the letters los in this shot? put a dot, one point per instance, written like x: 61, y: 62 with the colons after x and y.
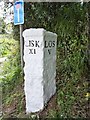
x: 36, y: 44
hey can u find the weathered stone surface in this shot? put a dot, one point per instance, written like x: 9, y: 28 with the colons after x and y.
x: 40, y: 67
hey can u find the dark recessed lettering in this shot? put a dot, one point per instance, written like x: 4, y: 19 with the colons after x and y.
x: 37, y: 44
x: 53, y: 44
x: 46, y: 45
x: 31, y: 43
x: 49, y: 44
x: 32, y: 51
x: 49, y: 51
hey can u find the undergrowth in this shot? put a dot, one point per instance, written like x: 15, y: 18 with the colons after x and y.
x: 11, y: 71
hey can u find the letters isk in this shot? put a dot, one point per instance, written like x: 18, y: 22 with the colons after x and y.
x: 32, y: 43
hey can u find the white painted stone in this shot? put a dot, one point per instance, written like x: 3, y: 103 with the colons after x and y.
x: 40, y: 67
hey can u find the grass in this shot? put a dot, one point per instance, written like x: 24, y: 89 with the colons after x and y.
x: 12, y: 75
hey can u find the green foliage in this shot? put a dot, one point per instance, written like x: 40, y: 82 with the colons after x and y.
x: 9, y: 28
x: 69, y: 21
x: 52, y: 114
x: 11, y: 67
x: 71, y: 58
x: 6, y: 45
x: 2, y: 26
x: 16, y: 32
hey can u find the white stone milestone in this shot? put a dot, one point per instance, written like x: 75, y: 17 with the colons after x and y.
x: 40, y: 67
